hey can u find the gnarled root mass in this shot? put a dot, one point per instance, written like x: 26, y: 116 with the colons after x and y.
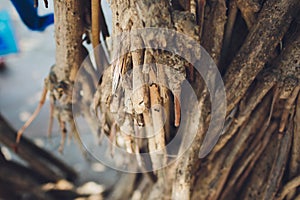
x: 139, y: 103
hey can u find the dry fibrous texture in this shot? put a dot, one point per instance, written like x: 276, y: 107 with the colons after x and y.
x: 73, y: 78
x: 295, y: 161
x: 252, y: 92
x: 152, y: 78
x: 270, y: 167
x: 272, y: 22
x: 140, y: 95
x: 243, y: 167
x: 141, y: 79
x: 277, y: 75
x: 214, y: 24
x: 70, y: 54
x: 215, y: 173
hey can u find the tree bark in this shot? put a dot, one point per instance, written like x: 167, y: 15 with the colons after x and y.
x: 257, y: 154
x: 256, y: 88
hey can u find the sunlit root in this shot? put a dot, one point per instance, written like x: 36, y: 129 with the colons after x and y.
x: 33, y: 116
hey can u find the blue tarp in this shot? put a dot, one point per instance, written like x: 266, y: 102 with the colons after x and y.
x: 30, y: 17
x: 8, y: 42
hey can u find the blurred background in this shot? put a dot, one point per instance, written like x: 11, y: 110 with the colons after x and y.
x: 21, y: 83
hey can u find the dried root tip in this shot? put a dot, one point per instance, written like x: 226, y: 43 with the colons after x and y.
x: 63, y: 130
x: 137, y: 142
x: 177, y: 111
x: 158, y: 122
x: 112, y: 139
x: 177, y: 108
x: 19, y: 135
x: 33, y: 116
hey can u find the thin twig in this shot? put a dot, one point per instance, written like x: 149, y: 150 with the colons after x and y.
x: 33, y: 116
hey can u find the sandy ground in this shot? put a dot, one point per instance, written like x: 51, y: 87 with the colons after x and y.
x: 21, y: 84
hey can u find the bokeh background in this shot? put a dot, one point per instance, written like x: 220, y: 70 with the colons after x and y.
x: 21, y: 83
